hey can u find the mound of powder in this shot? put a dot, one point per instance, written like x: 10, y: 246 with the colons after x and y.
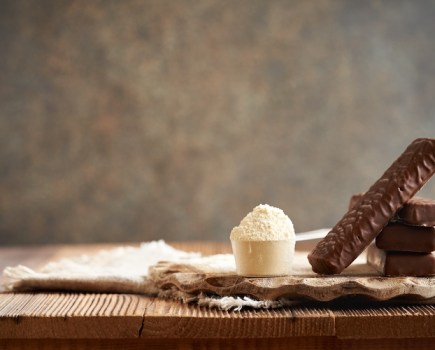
x: 264, y: 223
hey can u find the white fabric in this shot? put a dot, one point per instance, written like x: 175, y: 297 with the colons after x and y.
x: 117, y: 270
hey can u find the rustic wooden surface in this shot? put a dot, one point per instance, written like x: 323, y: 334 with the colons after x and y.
x: 103, y: 321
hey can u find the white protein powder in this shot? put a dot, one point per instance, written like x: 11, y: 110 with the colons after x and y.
x: 264, y: 223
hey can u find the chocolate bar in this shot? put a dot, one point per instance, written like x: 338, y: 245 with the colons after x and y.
x: 354, y: 200
x: 406, y: 238
x: 417, y: 211
x: 401, y: 264
x: 360, y: 225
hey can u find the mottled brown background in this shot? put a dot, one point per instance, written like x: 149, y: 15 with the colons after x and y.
x: 137, y: 120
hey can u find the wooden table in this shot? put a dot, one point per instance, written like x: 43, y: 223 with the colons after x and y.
x: 120, y: 321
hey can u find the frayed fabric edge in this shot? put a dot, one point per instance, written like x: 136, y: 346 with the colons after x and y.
x: 226, y: 303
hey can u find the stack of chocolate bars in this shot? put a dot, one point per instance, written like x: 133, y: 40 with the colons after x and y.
x: 362, y: 224
x: 406, y: 245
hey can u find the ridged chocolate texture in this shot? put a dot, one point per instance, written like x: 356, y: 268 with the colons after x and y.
x: 417, y: 211
x: 406, y: 238
x: 360, y: 225
x: 401, y: 264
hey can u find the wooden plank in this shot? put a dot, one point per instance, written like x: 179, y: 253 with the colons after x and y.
x: 411, y: 321
x: 71, y: 315
x: 313, y: 343
x: 165, y: 319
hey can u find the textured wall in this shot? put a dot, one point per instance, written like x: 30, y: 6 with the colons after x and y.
x: 136, y: 120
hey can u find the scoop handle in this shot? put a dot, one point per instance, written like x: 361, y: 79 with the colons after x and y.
x: 311, y: 235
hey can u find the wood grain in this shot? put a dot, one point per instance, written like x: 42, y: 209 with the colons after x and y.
x: 195, y: 322
x: 312, y: 343
x: 386, y: 322
x: 70, y: 315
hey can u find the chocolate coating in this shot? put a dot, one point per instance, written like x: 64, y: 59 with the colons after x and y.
x: 417, y: 211
x: 360, y: 225
x: 354, y: 200
x: 401, y: 264
x: 406, y: 238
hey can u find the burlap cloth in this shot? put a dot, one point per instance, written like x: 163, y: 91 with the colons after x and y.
x: 125, y: 270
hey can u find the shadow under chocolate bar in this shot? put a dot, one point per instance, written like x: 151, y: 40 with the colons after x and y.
x: 360, y: 225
